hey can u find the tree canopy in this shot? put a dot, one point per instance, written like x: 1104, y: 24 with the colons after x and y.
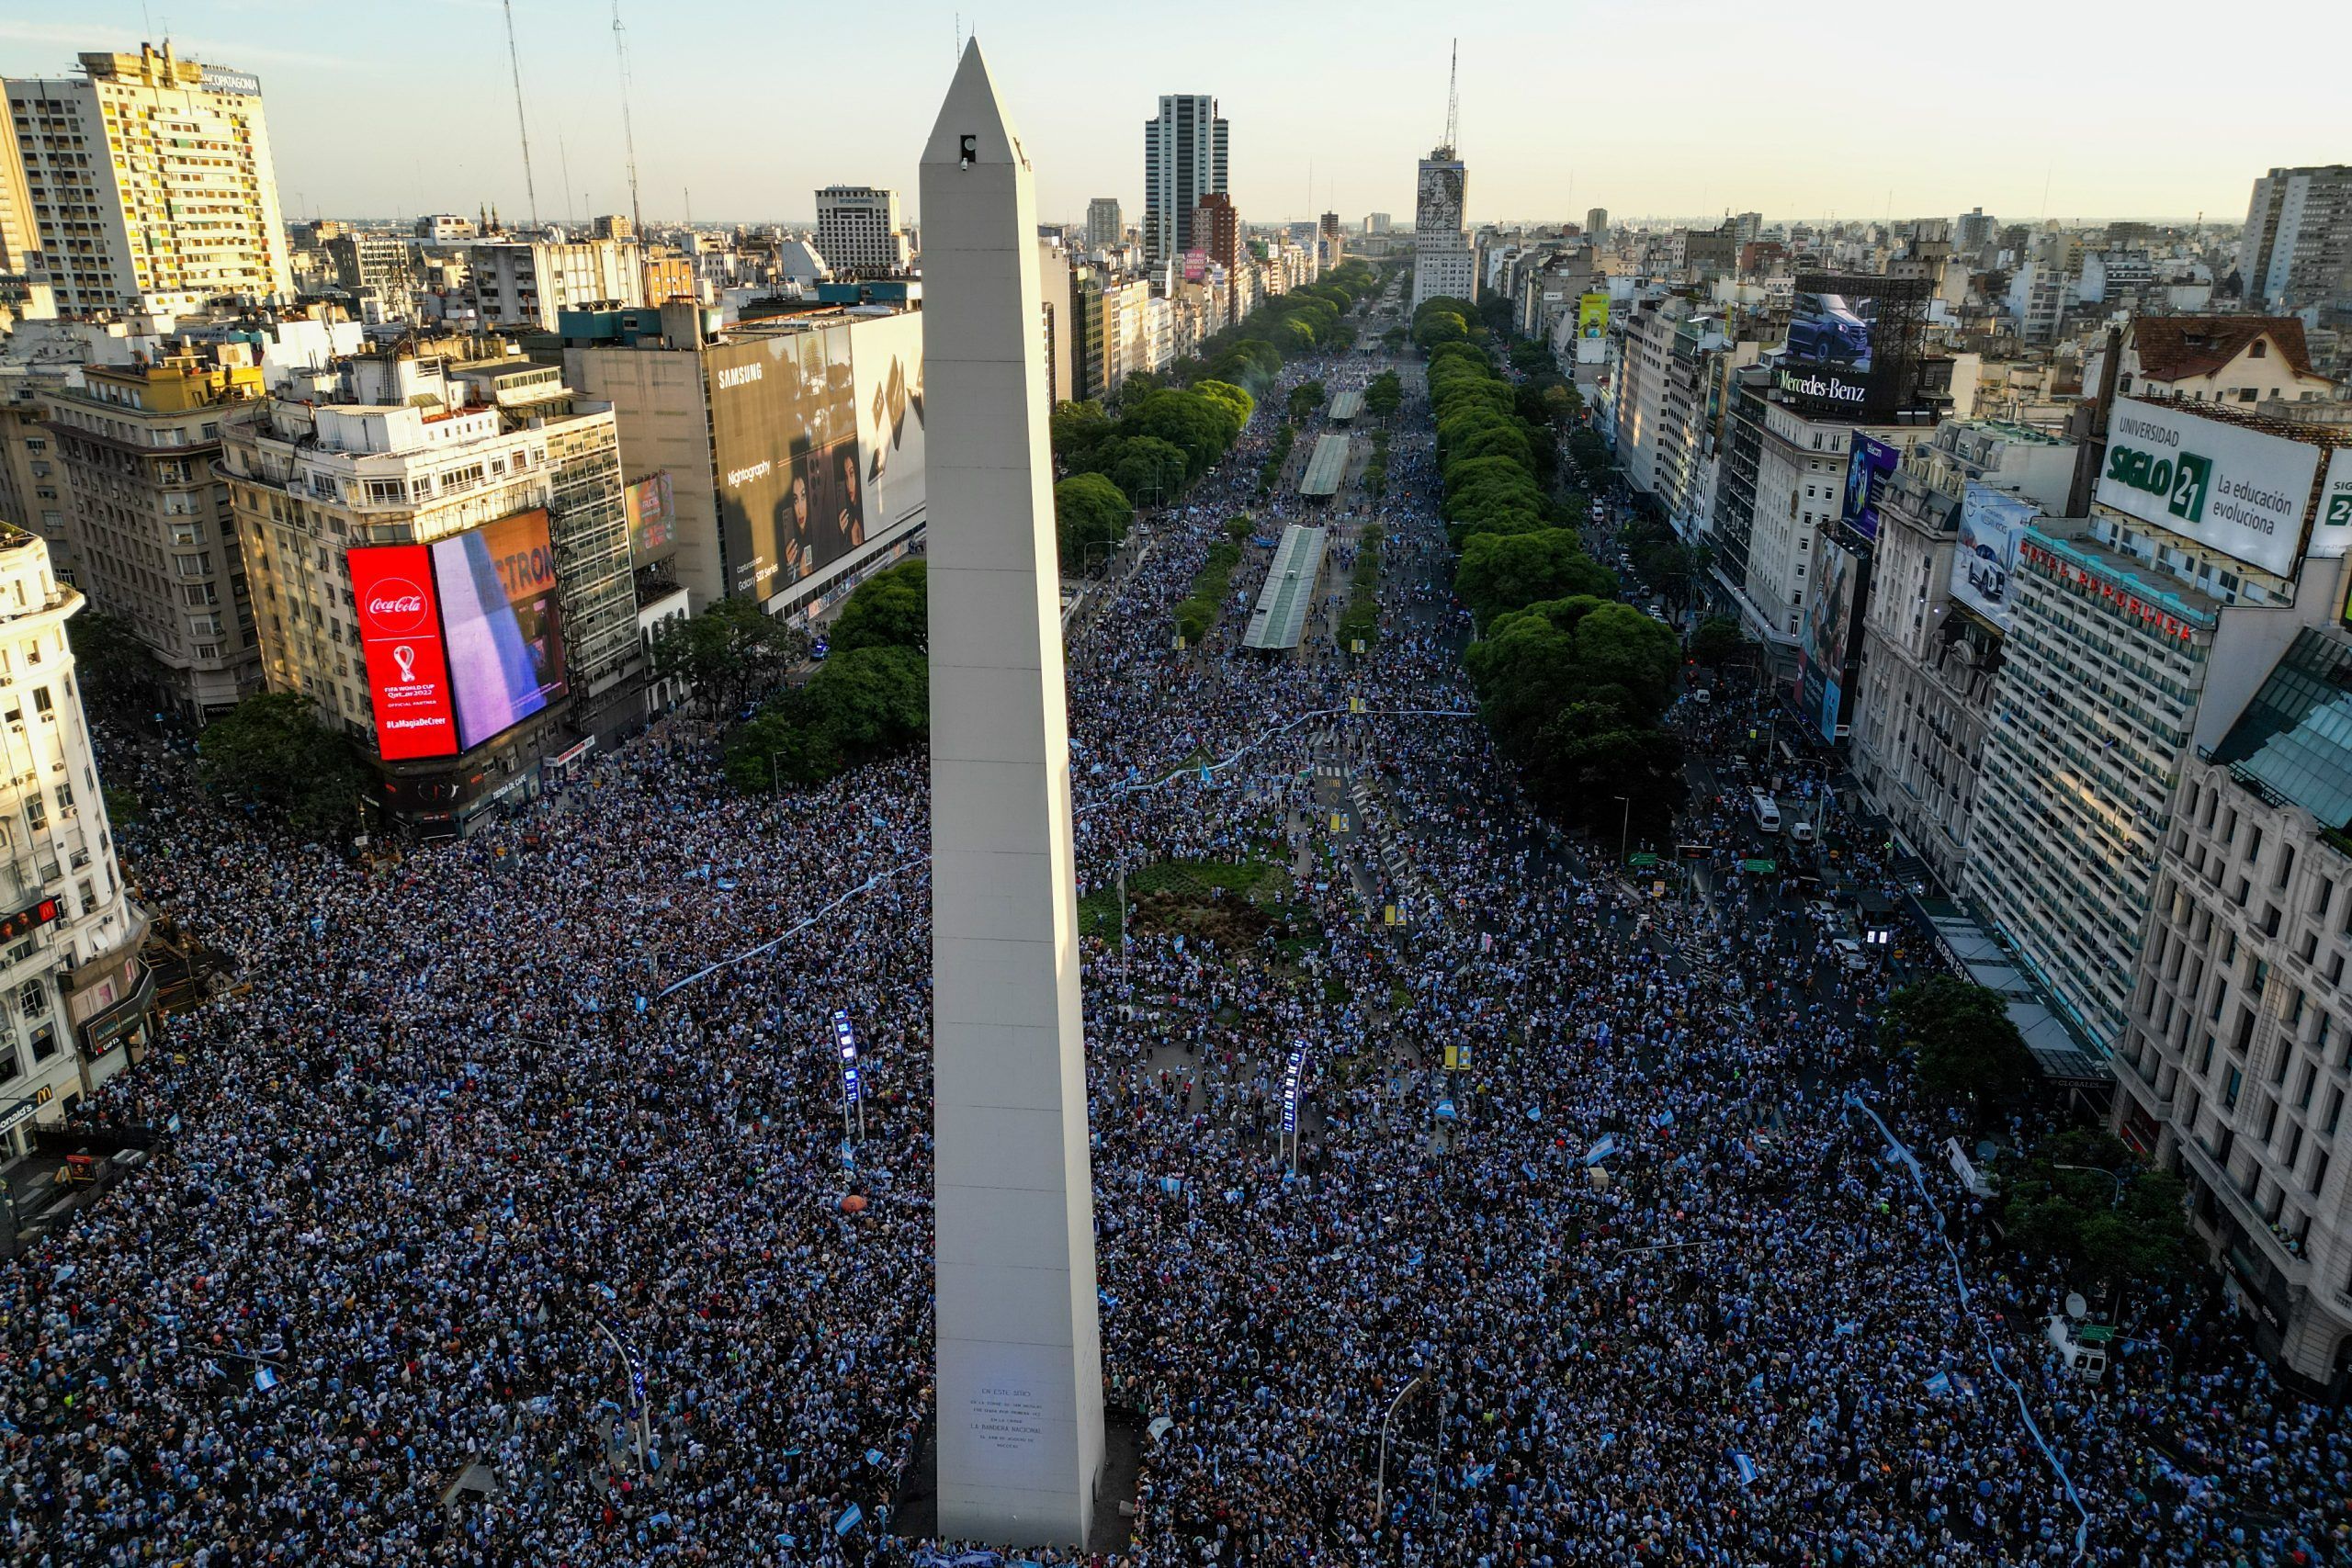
x: 273, y: 755
x: 1962, y: 1038
x: 730, y: 654
x: 890, y: 609
x: 2082, y: 1197
x: 1089, y: 510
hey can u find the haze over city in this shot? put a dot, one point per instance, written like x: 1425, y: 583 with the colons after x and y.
x: 1606, y: 824
x: 1667, y: 108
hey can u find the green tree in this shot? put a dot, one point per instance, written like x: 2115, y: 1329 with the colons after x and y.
x: 866, y: 703
x: 1443, y: 327
x: 1235, y: 399
x: 1304, y: 398
x: 272, y: 755
x: 1718, y: 641
x: 119, y: 674
x: 2081, y: 1197
x: 1608, y: 771
x: 1144, y: 468
x: 891, y: 609
x: 1089, y: 512
x: 728, y: 654
x: 1508, y: 571
x: 1618, y: 648
x: 1385, y: 395
x: 1077, y: 429
x: 1964, y: 1043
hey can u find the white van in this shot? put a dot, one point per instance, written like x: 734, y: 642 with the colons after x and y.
x: 1801, y: 831
x: 1767, y: 810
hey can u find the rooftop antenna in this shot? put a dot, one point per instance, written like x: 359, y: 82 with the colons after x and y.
x: 564, y: 156
x: 1453, y: 99
x: 522, y: 131
x: 628, y: 130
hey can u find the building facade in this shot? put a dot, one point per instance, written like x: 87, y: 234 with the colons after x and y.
x: 1106, y: 226
x: 530, y: 283
x: 74, y: 997
x: 153, y: 539
x: 152, y: 184
x: 510, y: 502
x: 859, y: 232
x: 1444, y: 263
x: 1184, y: 160
x: 2296, y: 248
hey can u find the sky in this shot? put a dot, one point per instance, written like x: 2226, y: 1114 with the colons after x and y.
x: 1662, y: 108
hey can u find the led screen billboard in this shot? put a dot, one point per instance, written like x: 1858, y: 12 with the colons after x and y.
x: 2331, y: 524
x: 2241, y: 491
x: 1991, y: 522
x: 400, y: 641
x: 1868, y: 468
x: 889, y: 363
x: 1854, y: 342
x: 653, y: 513
x: 784, y: 423
x: 1828, y: 644
x: 1592, y: 315
x: 502, y: 623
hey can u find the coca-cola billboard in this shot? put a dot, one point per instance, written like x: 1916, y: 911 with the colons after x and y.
x: 408, y: 668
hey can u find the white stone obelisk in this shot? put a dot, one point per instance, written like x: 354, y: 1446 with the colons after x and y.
x: 1020, y: 1379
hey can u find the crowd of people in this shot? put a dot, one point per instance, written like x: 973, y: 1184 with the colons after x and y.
x: 505, y: 1221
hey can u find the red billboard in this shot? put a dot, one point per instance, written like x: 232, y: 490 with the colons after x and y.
x: 408, y: 670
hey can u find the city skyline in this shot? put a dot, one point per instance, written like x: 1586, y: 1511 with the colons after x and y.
x: 1343, y: 136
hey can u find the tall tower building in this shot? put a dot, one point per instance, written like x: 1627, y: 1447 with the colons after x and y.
x: 1184, y: 160
x: 1443, y: 263
x: 859, y: 232
x: 2296, y: 248
x: 1105, y: 224
x: 151, y: 184
x: 1596, y: 224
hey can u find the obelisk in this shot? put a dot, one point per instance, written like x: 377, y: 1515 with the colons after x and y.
x: 1020, y: 1377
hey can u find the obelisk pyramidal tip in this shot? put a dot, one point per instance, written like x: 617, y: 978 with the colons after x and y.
x: 1020, y: 1377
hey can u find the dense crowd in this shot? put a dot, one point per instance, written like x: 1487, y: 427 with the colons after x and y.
x: 472, y: 1134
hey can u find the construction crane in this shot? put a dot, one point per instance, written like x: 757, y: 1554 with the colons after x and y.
x: 523, y: 131
x: 1452, y: 99
x: 628, y: 130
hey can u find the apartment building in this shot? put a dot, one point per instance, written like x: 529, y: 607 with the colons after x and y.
x: 2296, y: 248
x: 440, y: 561
x: 1936, y: 622
x: 1106, y: 226
x: 1184, y: 160
x: 151, y: 184
x: 153, y: 541
x: 74, y: 999
x: 530, y: 282
x: 859, y: 234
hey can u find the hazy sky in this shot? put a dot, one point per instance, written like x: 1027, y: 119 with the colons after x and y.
x: 1671, y: 107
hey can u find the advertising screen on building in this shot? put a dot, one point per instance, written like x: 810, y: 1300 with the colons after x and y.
x: 1592, y: 315
x: 2241, y: 491
x: 1828, y: 644
x: 783, y: 421
x: 399, y: 640
x: 888, y: 362
x: 1991, y: 522
x: 1854, y: 342
x: 500, y: 623
x: 2331, y: 524
x: 652, y: 518
x: 1868, y: 468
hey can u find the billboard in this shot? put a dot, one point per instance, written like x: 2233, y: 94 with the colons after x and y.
x: 399, y: 640
x: 784, y: 428
x: 889, y: 363
x: 1868, y: 466
x: 1592, y: 315
x: 2332, y: 523
x: 1828, y: 643
x: 1854, y: 342
x: 2236, y: 490
x: 652, y: 508
x: 1991, y: 522
x: 502, y: 623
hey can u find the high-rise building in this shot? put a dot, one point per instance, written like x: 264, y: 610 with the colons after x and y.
x: 794, y: 447
x: 80, y: 995
x: 151, y: 184
x: 1105, y: 224
x: 2238, y: 1024
x: 154, y: 540
x: 530, y: 282
x: 372, y: 263
x: 1184, y: 160
x: 2138, y: 635
x: 19, y: 238
x: 442, y: 558
x: 1377, y: 222
x: 859, y: 234
x: 2296, y: 247
x: 1443, y: 262
x: 1973, y: 231
x: 1596, y: 224
x: 1217, y: 231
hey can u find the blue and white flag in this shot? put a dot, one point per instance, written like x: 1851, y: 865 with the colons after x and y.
x: 1746, y: 1468
x: 848, y: 1520
x: 1940, y: 1383
x: 1601, y: 1150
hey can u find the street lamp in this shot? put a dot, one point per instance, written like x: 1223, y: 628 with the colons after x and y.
x: 2114, y: 1176
x: 1624, y: 825
x: 1380, y: 1482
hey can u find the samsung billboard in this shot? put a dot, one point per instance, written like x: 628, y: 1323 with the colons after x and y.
x: 1853, y: 344
x: 2242, y: 493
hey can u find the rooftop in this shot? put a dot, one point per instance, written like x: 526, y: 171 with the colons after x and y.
x: 2293, y: 743
x: 2072, y: 538
x: 2173, y: 348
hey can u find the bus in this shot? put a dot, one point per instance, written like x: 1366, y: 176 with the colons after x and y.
x: 1767, y: 810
